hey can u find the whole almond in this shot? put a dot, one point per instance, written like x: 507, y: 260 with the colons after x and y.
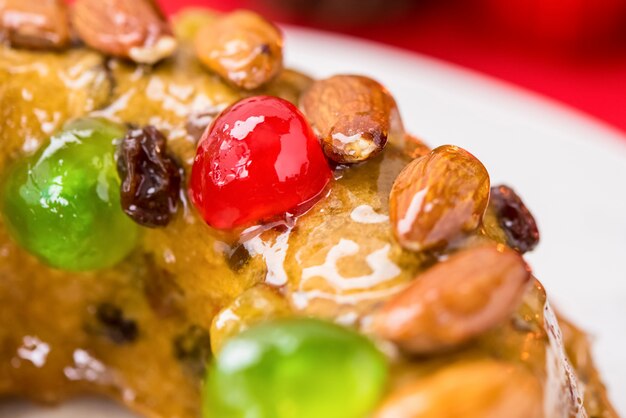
x: 36, y: 24
x: 243, y: 48
x: 456, y: 300
x: 128, y: 29
x: 438, y: 197
x: 353, y: 116
x: 473, y: 389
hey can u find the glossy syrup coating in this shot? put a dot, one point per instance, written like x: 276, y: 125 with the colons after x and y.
x: 62, y: 204
x: 258, y: 160
x: 339, y: 260
x: 245, y: 49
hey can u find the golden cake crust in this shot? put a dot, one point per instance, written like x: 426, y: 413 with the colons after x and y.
x: 186, y: 282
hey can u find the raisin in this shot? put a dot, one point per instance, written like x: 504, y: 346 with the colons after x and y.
x: 162, y: 292
x: 151, y: 178
x: 238, y: 258
x: 115, y: 326
x: 193, y: 348
x: 514, y: 218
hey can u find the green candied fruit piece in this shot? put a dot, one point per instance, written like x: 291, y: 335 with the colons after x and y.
x: 295, y: 368
x: 63, y: 203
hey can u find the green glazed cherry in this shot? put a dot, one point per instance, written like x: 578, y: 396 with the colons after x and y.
x: 63, y: 203
x: 295, y: 368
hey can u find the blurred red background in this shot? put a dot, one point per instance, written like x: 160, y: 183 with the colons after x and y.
x: 571, y: 50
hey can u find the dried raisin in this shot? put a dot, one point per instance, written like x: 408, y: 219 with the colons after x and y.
x: 115, y: 326
x: 514, y: 218
x: 193, y: 348
x: 150, y: 177
x: 238, y: 257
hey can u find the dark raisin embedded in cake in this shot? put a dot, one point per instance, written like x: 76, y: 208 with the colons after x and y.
x: 238, y: 257
x: 516, y: 221
x: 150, y: 177
x: 193, y: 348
x: 114, y: 325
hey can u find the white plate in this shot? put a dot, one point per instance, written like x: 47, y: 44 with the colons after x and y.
x: 569, y: 169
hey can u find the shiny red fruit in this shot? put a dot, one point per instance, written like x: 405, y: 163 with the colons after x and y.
x: 259, y: 159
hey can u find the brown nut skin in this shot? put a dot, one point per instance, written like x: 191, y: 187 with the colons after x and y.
x: 437, y: 198
x: 127, y: 29
x: 243, y: 48
x: 476, y: 389
x: 352, y: 115
x: 456, y: 300
x: 35, y: 24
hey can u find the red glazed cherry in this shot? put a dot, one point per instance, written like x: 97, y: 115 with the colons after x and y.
x: 257, y: 160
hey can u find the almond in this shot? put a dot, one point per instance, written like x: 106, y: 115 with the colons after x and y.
x: 133, y: 30
x: 456, y: 300
x: 353, y: 116
x: 37, y: 24
x: 473, y: 389
x: 243, y: 48
x: 438, y: 197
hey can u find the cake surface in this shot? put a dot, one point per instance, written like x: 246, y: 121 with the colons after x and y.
x: 143, y: 330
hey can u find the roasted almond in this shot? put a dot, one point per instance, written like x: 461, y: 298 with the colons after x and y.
x: 456, y: 300
x: 352, y: 115
x: 475, y: 389
x: 36, y: 24
x: 133, y: 30
x: 243, y: 48
x: 438, y: 197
